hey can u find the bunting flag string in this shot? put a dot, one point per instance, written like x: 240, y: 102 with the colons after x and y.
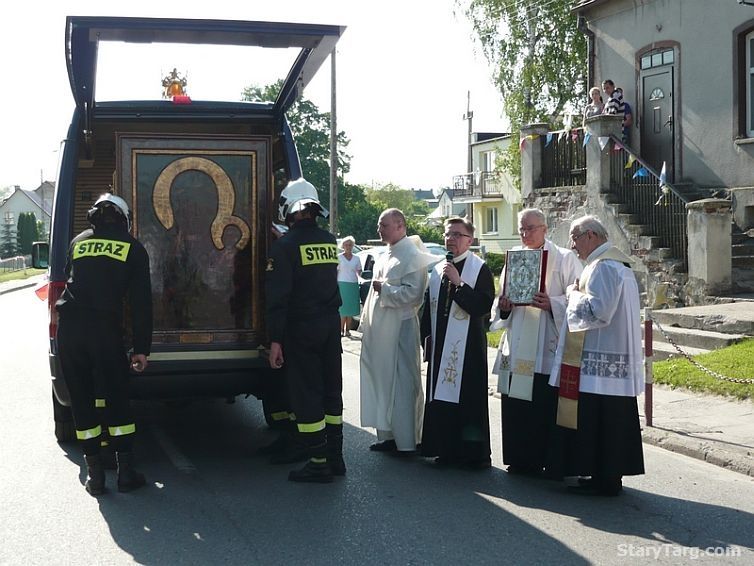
x: 664, y: 191
x: 603, y: 141
x: 529, y: 137
x: 641, y: 172
x: 630, y: 161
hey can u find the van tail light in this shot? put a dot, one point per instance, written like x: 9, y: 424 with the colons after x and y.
x: 54, y: 290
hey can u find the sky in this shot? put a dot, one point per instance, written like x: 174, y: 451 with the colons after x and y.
x: 403, y: 72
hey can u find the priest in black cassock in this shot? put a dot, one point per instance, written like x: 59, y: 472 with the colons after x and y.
x: 457, y: 305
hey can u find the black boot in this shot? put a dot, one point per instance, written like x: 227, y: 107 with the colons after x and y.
x: 107, y: 455
x: 95, y: 475
x: 316, y: 470
x: 128, y: 478
x: 335, y: 449
x: 277, y: 446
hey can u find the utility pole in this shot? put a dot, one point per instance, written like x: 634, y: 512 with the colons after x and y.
x: 470, y: 159
x: 333, y: 150
x: 468, y: 117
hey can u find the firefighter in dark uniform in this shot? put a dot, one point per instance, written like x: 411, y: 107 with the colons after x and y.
x: 304, y: 329
x: 105, y: 265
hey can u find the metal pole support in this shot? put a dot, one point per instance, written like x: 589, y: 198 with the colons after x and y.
x: 648, y: 375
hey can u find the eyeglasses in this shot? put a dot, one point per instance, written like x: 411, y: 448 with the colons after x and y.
x: 455, y: 235
x: 529, y: 230
x: 574, y: 239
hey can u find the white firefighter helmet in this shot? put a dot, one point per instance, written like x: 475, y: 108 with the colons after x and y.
x: 296, y: 196
x: 116, y: 202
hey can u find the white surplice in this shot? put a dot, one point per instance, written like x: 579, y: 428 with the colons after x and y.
x: 608, y: 311
x: 563, y: 267
x: 392, y: 398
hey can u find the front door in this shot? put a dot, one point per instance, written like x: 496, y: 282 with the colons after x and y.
x: 657, y: 118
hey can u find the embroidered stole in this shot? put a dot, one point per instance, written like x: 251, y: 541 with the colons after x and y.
x: 450, y: 374
x: 573, y: 349
x: 527, y: 341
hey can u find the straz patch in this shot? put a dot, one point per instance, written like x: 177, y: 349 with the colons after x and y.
x: 94, y: 248
x: 315, y: 254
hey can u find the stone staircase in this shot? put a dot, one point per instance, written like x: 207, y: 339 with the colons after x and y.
x: 701, y: 329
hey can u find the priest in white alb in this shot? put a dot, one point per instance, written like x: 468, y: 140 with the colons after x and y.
x: 598, y: 367
x: 528, y: 347
x: 391, y: 388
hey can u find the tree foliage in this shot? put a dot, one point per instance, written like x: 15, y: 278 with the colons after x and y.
x: 539, y: 60
x: 8, y: 245
x: 538, y: 54
x: 311, y: 130
x: 26, y: 232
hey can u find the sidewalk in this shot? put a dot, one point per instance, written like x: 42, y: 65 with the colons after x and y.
x: 710, y: 428
x: 17, y: 284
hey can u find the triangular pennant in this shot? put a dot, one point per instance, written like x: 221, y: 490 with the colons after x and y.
x: 603, y: 141
x: 549, y: 139
x: 522, y: 142
x: 574, y: 135
x: 663, y: 175
x: 641, y: 172
x: 617, y: 146
x: 562, y: 135
x: 630, y: 161
x: 587, y: 137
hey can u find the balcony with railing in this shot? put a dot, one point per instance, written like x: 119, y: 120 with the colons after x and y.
x: 485, y: 184
x: 563, y: 158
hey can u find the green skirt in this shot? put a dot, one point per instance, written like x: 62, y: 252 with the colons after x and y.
x: 349, y: 294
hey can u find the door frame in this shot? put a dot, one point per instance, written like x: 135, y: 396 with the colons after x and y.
x: 677, y: 168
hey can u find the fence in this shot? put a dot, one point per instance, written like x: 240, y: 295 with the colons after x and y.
x: 13, y: 263
x: 563, y: 158
x: 658, y: 205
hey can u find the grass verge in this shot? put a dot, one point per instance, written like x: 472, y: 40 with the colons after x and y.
x: 21, y: 274
x: 735, y: 361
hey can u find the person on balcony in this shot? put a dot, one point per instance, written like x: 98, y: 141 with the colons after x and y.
x: 595, y: 106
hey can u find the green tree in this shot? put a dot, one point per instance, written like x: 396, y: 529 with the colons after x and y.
x: 357, y: 216
x: 539, y: 60
x: 392, y: 196
x: 8, y: 245
x: 311, y: 130
x: 26, y: 232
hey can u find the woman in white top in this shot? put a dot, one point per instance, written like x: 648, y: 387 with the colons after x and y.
x: 595, y: 106
x: 349, y: 269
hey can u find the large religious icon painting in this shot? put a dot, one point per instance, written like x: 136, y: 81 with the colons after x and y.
x: 194, y: 203
x: 524, y: 275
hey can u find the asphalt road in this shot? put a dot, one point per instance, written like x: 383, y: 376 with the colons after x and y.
x: 211, y: 501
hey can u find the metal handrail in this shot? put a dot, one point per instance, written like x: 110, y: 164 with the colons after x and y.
x: 659, y: 206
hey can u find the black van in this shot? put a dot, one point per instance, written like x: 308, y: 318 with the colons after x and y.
x: 202, y: 180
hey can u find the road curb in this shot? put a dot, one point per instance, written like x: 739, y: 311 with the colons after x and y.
x: 737, y: 459
x: 26, y: 285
